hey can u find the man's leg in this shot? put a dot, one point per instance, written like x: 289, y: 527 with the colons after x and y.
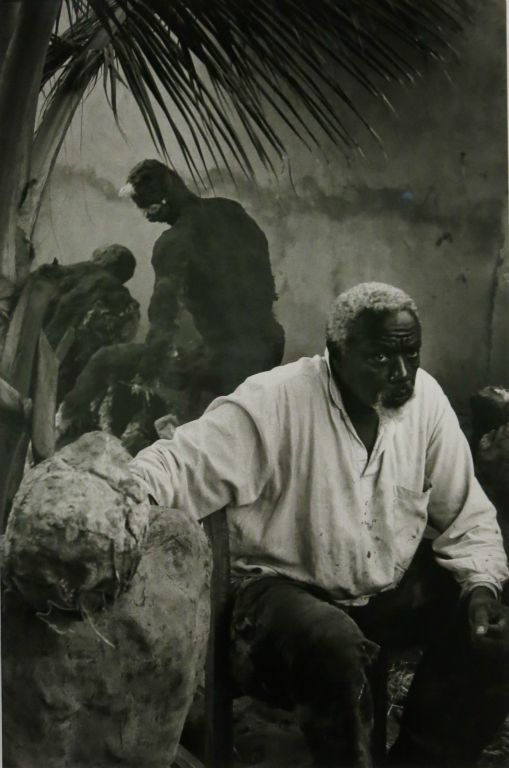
x: 458, y: 698
x: 293, y: 648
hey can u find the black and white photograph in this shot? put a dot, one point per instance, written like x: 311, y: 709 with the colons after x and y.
x: 254, y: 384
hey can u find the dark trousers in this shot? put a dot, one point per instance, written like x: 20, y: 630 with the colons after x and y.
x: 293, y: 647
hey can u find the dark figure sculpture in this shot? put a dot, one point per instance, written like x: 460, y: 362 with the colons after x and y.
x: 92, y: 300
x: 490, y: 410
x: 214, y: 288
x: 490, y: 428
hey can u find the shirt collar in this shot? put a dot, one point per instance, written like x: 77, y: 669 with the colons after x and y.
x: 334, y: 390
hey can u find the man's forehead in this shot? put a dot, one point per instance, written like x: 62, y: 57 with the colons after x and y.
x: 372, y: 327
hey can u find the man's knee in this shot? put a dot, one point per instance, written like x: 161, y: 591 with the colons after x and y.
x: 289, y: 640
x: 338, y: 658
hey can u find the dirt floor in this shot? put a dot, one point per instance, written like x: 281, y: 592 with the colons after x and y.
x: 270, y: 738
x: 265, y: 737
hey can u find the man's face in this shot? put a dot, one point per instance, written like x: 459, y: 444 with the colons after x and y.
x: 381, y: 358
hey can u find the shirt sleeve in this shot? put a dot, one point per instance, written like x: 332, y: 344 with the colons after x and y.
x: 469, y: 543
x: 220, y: 459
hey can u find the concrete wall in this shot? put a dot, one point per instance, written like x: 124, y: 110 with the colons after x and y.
x: 429, y: 215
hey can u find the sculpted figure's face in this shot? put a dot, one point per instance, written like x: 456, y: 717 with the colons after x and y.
x: 380, y: 361
x: 150, y: 188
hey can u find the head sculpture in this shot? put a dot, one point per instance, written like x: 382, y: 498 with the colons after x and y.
x: 374, y: 339
x: 116, y: 259
x: 157, y: 190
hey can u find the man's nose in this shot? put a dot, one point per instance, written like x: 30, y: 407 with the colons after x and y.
x: 399, y: 371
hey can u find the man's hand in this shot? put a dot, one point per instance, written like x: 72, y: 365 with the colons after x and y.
x: 489, y: 622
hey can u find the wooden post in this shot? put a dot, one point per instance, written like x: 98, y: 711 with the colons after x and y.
x: 17, y: 369
x: 379, y: 680
x: 218, y: 689
x: 45, y: 400
x: 65, y: 343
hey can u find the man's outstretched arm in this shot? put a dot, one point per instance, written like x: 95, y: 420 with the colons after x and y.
x: 218, y: 460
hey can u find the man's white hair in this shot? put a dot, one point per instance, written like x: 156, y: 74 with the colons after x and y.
x: 375, y: 297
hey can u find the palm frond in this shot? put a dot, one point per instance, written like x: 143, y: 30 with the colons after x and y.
x: 223, y: 68
x: 76, y: 62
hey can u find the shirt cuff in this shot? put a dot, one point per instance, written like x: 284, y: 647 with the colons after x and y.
x: 145, y: 486
x: 468, y: 588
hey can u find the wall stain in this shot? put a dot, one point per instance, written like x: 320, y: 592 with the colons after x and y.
x: 64, y: 172
x: 496, y: 279
x: 306, y: 197
x: 445, y: 238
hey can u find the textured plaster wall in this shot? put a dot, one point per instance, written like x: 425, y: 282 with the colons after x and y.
x: 428, y: 213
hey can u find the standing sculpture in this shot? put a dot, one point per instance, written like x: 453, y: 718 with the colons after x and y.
x: 213, y: 280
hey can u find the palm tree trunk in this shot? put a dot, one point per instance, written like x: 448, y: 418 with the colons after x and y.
x: 26, y: 29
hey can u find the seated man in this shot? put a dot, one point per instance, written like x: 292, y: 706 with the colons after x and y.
x: 332, y: 468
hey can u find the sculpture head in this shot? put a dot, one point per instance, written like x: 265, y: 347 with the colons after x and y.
x: 116, y: 259
x: 157, y: 190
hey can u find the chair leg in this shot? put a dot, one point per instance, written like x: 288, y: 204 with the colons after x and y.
x: 218, y: 694
x: 379, y: 679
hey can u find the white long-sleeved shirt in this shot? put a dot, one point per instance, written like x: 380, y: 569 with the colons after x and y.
x: 303, y: 498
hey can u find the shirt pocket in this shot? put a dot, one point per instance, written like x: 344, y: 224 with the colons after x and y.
x: 410, y: 519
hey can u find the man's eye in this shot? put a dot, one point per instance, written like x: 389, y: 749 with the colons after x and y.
x: 413, y: 355
x: 379, y: 357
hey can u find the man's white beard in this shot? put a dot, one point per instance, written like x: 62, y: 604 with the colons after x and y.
x: 391, y: 415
